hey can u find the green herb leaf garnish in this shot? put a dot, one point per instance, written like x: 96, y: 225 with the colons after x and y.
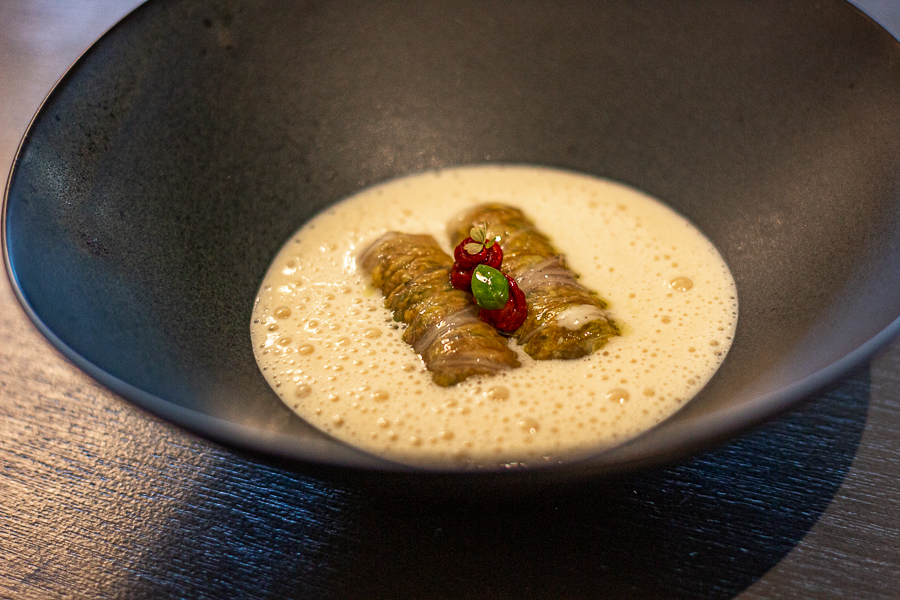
x: 490, y: 287
x: 480, y: 239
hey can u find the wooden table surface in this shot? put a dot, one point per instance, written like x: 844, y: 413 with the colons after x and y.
x: 100, y: 500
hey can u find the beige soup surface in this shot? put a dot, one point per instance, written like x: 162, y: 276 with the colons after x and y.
x: 332, y: 352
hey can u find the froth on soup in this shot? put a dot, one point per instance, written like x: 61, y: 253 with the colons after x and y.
x: 332, y: 352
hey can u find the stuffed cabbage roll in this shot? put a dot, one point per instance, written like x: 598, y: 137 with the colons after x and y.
x: 413, y: 273
x: 565, y: 319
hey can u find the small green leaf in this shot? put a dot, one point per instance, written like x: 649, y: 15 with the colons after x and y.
x: 490, y: 287
x: 479, y: 234
x: 473, y: 247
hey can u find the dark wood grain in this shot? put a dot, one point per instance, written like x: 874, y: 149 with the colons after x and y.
x: 100, y: 500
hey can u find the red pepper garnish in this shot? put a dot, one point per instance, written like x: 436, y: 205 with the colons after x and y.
x: 510, y: 317
x: 491, y: 256
x: 477, y: 249
x: 481, y: 249
x: 461, y: 279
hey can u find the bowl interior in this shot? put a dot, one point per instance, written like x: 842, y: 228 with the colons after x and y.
x: 170, y: 164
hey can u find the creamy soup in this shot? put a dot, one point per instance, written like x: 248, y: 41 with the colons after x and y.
x: 330, y: 349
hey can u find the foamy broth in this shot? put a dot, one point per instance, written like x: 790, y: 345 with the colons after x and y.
x: 332, y: 352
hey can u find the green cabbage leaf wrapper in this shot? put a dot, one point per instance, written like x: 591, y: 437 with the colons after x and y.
x: 413, y: 273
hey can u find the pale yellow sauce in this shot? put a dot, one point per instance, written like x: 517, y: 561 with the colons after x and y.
x: 331, y: 351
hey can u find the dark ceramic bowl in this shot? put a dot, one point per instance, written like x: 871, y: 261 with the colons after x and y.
x: 165, y: 170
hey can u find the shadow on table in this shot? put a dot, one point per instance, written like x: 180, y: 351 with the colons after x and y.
x: 707, y: 528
